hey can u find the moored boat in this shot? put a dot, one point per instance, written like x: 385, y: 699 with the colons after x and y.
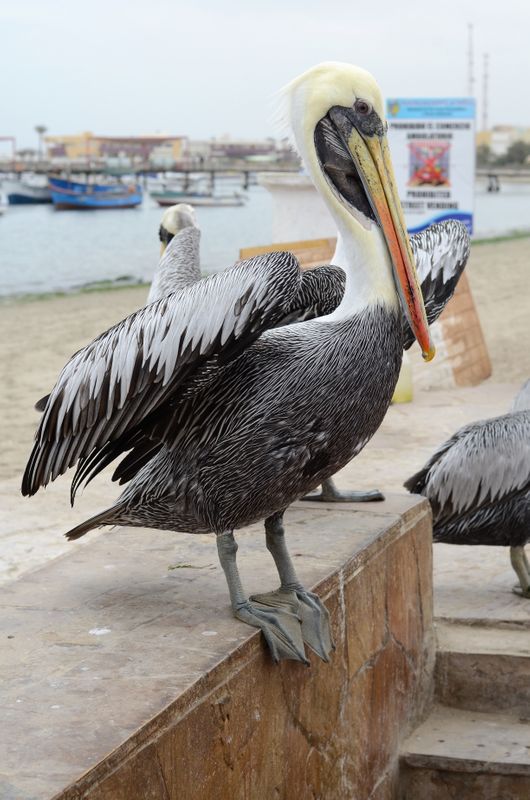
x: 21, y: 192
x: 74, y: 195
x: 170, y: 197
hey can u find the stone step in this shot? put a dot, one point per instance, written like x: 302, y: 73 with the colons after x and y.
x: 483, y: 668
x: 467, y: 755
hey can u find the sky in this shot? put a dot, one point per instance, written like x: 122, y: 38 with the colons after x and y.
x: 202, y: 68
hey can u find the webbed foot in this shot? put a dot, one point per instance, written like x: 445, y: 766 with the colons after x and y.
x: 311, y: 614
x: 518, y: 590
x: 330, y: 494
x: 276, y: 613
x: 316, y: 629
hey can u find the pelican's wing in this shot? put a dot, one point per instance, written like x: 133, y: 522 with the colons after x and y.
x: 320, y: 293
x: 111, y: 385
x: 179, y: 266
x: 480, y: 464
x: 441, y: 252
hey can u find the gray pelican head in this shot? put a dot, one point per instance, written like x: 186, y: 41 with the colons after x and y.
x: 336, y: 114
x: 174, y: 219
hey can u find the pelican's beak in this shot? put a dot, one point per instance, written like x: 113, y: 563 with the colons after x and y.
x: 371, y: 156
x: 165, y: 237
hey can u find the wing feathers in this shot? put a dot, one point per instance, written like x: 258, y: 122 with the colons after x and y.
x: 483, y: 462
x: 128, y: 371
x: 441, y: 253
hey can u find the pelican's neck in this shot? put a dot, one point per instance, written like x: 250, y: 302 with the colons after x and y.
x: 363, y: 255
x: 361, y: 248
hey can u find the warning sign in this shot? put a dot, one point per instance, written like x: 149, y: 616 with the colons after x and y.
x: 432, y: 142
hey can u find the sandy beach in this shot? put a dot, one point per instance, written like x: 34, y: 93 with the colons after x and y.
x: 38, y: 336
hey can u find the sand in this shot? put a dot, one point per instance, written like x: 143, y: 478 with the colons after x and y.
x: 38, y: 336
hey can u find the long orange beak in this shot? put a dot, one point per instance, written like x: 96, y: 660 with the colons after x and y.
x: 372, y: 158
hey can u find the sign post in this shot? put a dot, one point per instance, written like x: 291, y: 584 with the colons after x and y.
x: 433, y: 150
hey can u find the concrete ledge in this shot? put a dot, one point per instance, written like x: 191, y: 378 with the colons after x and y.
x: 124, y: 679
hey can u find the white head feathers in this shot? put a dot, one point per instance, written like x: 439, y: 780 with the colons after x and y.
x: 309, y: 97
x: 178, y: 217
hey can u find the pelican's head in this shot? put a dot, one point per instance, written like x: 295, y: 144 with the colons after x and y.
x: 337, y: 117
x: 174, y: 219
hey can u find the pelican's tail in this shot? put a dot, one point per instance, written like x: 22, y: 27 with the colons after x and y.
x: 107, y: 517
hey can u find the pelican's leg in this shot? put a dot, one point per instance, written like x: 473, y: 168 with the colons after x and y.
x: 316, y: 629
x: 280, y: 623
x: 330, y: 494
x: 520, y: 565
x: 526, y: 562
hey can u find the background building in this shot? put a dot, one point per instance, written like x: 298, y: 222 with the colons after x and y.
x: 158, y: 150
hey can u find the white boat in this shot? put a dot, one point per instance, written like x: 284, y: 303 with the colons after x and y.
x: 24, y: 192
x: 169, y: 197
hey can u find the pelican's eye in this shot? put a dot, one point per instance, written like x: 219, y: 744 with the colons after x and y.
x: 362, y: 107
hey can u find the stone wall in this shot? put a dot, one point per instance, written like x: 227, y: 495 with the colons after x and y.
x: 257, y: 731
x: 126, y: 681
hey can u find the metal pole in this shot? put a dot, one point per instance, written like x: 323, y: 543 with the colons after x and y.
x: 470, y: 71
x: 485, y: 81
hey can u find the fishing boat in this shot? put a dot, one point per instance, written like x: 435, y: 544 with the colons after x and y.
x: 73, y: 195
x: 24, y: 192
x: 169, y: 197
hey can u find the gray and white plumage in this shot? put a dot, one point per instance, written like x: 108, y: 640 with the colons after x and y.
x: 102, y: 391
x: 441, y: 253
x: 478, y: 481
x: 115, y: 382
x: 223, y: 437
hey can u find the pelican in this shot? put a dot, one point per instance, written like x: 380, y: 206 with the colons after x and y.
x: 228, y: 414
x: 478, y: 484
x: 441, y: 252
x: 180, y: 265
x: 321, y: 292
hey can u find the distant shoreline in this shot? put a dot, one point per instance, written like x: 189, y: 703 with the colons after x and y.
x: 89, y: 288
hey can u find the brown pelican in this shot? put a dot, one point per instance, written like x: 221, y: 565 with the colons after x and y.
x: 228, y: 415
x: 478, y: 484
x: 440, y: 253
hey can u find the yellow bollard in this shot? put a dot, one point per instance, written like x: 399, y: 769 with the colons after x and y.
x: 403, y: 391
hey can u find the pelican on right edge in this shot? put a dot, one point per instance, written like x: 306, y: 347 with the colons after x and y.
x: 228, y: 414
x: 478, y: 485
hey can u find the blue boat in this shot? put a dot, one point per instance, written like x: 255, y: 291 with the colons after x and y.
x: 72, y: 195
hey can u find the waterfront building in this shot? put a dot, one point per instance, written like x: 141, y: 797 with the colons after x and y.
x: 158, y: 150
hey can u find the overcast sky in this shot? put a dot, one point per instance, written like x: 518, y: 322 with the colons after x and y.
x: 205, y: 68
